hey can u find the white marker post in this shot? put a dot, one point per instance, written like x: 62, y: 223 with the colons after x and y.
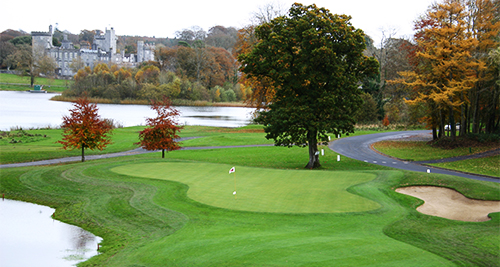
x: 338, y: 157
x: 322, y: 152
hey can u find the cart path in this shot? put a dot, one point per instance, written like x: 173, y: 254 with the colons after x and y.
x: 356, y: 147
x: 113, y: 155
x: 359, y: 147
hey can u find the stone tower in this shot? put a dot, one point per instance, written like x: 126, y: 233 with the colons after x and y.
x: 42, y: 40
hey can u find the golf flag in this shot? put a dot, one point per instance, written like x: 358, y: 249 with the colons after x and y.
x: 232, y: 170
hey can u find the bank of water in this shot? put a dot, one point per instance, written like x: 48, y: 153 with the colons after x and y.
x: 30, y: 237
x: 30, y: 110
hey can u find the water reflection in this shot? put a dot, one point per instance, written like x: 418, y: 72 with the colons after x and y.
x: 29, y: 110
x: 30, y: 237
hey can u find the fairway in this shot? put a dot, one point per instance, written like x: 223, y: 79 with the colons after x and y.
x: 260, y: 189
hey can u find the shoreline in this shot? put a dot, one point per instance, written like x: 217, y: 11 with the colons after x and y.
x: 175, y: 102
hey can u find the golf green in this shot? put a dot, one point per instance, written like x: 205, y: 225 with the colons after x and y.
x: 260, y: 189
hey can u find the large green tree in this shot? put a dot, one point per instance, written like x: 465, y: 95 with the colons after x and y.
x: 314, y: 59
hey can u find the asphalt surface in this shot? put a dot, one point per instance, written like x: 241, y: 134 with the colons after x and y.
x: 359, y: 147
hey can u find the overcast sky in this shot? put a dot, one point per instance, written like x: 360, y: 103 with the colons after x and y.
x: 162, y: 18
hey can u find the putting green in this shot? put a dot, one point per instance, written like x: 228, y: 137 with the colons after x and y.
x: 259, y: 189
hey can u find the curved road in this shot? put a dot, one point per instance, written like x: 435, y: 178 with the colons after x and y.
x: 359, y: 147
x: 356, y: 147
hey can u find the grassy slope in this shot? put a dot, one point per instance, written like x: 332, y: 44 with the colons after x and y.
x: 419, y: 151
x: 486, y: 166
x: 11, y: 82
x: 153, y: 222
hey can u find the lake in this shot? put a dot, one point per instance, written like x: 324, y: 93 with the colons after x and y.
x: 30, y: 237
x: 35, y: 110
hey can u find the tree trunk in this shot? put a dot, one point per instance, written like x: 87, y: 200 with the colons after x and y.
x: 312, y: 138
x: 452, y: 124
x: 475, y: 115
x: 441, y: 125
x: 434, y: 133
x: 163, y: 153
x: 83, y: 153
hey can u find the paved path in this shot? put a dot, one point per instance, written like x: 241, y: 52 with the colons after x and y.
x: 359, y: 147
x: 111, y: 155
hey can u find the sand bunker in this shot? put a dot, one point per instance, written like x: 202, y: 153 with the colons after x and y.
x: 450, y: 204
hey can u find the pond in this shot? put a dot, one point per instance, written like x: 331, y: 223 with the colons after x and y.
x: 35, y: 110
x: 30, y: 237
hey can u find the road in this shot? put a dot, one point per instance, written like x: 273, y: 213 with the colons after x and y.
x: 356, y: 147
x: 359, y: 147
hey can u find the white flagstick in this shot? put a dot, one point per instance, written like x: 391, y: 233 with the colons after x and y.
x: 233, y: 169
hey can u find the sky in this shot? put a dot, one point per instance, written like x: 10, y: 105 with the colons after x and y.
x: 162, y: 18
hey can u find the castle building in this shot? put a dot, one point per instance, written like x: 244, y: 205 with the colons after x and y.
x: 103, y: 50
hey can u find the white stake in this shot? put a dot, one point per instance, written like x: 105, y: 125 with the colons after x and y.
x: 322, y: 152
x: 338, y: 157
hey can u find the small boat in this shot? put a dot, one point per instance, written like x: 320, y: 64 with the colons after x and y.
x: 38, y: 89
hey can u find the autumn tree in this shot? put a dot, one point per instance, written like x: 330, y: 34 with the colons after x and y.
x: 161, y: 132
x: 314, y: 60
x: 446, y: 69
x: 258, y: 92
x: 84, y: 128
x: 32, y: 62
x: 482, y: 109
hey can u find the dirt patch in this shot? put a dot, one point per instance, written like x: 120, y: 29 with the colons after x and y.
x: 450, y: 204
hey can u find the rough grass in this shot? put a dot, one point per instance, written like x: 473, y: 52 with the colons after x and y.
x: 486, y: 166
x: 419, y: 151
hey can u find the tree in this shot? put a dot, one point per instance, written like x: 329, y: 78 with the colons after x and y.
x: 32, y: 62
x: 261, y: 92
x: 161, y: 132
x: 314, y: 60
x: 445, y: 72
x: 76, y: 64
x: 84, y: 128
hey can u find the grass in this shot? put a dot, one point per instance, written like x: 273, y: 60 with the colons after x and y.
x: 261, y: 190
x: 485, y: 166
x: 42, y: 144
x: 419, y: 151
x: 180, y: 211
x: 12, y: 82
x: 146, y: 221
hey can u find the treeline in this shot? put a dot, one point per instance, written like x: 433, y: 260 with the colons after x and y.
x: 446, y: 77
x: 189, y: 73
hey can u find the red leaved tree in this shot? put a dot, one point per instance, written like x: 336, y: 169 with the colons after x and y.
x: 84, y: 128
x: 161, y: 132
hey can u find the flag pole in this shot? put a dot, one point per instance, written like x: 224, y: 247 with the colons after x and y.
x: 233, y: 169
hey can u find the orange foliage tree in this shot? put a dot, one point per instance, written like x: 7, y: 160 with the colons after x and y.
x: 84, y: 128
x: 161, y: 132
x: 444, y: 74
x: 262, y: 92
